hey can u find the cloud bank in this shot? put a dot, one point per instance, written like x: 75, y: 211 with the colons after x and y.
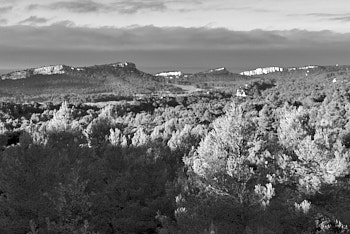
x: 163, y: 38
x: 150, y: 45
x: 88, y: 6
x: 4, y: 10
x: 343, y: 17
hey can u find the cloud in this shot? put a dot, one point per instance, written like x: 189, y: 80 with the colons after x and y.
x: 34, y: 20
x: 3, y: 21
x: 65, y: 43
x: 6, y: 9
x: 84, y: 6
x: 344, y: 17
x: 64, y: 35
x: 321, y: 14
x: 88, y: 6
x: 133, y: 6
x: 64, y: 23
x: 80, y: 6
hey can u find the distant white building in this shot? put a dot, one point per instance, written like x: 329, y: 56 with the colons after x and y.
x: 241, y: 93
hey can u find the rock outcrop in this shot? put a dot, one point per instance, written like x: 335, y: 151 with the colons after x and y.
x: 170, y: 74
x: 15, y: 75
x: 267, y: 70
x: 302, y: 68
x: 220, y: 69
x: 123, y: 64
x: 261, y: 71
x: 49, y: 70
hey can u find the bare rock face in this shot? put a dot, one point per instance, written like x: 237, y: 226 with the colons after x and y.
x: 15, y: 75
x: 170, y: 74
x: 302, y: 68
x: 260, y: 71
x: 45, y: 70
x: 49, y: 70
x: 220, y: 69
x: 266, y: 70
x: 123, y: 64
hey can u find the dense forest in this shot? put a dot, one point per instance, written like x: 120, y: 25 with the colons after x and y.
x: 274, y: 161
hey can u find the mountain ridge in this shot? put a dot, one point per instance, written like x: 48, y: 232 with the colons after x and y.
x: 57, y: 69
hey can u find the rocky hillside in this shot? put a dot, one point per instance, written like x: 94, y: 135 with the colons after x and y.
x: 307, y: 81
x: 57, y: 69
x: 122, y: 79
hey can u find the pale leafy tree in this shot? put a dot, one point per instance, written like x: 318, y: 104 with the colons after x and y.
x: 157, y: 132
x: 38, y: 133
x: 265, y: 193
x: 333, y: 116
x: 35, y: 118
x: 170, y: 126
x: 117, y: 138
x: 63, y: 120
x: 313, y: 137
x: 108, y: 112
x: 3, y: 137
x: 304, y: 206
x: 178, y: 136
x: 140, y: 138
x: 98, y: 131
x: 293, y: 126
x: 3, y: 128
x: 187, y: 137
x: 225, y: 158
x: 318, y: 165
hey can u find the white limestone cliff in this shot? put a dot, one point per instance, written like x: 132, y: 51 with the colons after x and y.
x: 49, y: 70
x: 302, y: 68
x: 170, y: 74
x: 260, y: 71
x: 15, y: 75
x: 266, y: 70
x: 216, y: 70
x: 123, y: 64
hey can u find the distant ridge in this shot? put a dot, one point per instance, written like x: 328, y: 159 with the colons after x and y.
x: 56, y: 69
x: 119, y: 79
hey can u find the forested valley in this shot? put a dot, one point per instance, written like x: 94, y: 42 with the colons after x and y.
x: 274, y: 161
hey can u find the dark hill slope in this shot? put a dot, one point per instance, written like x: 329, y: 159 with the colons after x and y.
x: 219, y: 78
x: 313, y: 83
x: 112, y: 78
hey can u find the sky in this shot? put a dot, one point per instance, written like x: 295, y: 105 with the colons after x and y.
x: 183, y: 35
